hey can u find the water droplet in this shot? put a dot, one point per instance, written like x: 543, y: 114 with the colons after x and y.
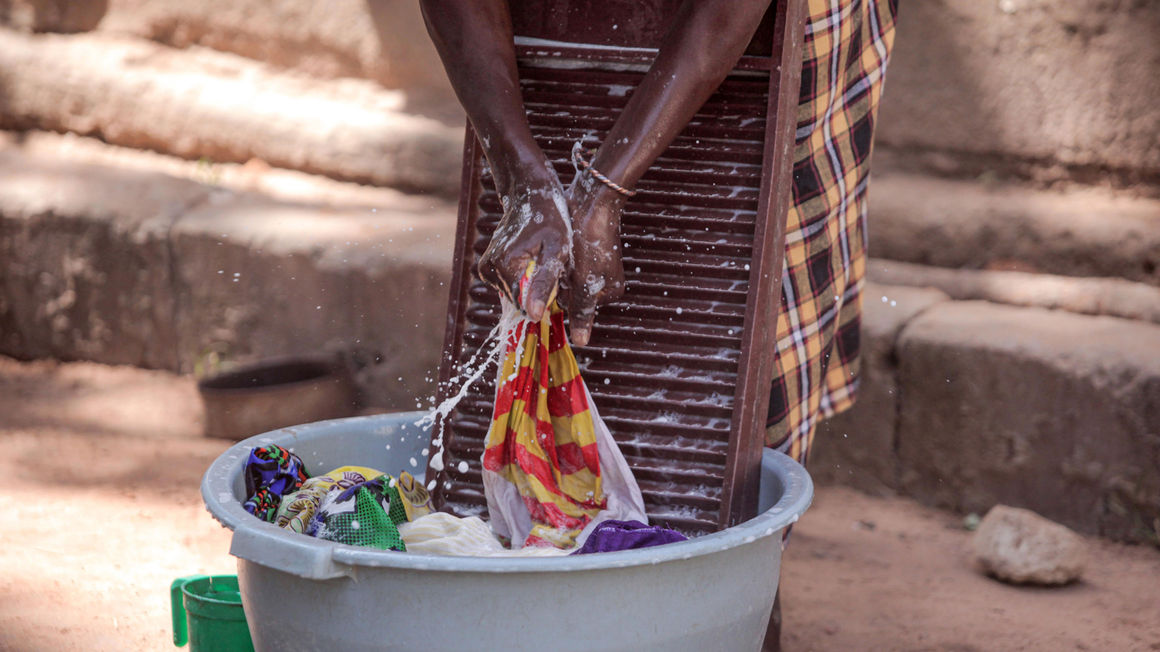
x: 462, y: 467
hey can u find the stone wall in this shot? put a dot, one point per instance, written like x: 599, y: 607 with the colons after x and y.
x: 1044, y: 88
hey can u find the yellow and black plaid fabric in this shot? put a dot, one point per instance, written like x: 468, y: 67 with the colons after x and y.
x: 847, y: 46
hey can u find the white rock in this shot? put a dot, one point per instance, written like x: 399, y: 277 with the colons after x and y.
x: 1019, y: 546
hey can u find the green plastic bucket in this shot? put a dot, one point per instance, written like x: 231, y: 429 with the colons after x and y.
x: 207, y: 612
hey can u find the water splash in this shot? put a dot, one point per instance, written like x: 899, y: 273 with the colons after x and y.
x: 489, y: 352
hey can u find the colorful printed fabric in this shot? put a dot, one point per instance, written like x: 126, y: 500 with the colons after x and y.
x: 845, y: 53
x: 366, y: 514
x: 416, y: 499
x: 297, y: 509
x: 542, y: 437
x: 270, y: 473
x: 611, y: 536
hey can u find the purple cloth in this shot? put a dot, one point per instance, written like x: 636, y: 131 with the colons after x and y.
x: 271, y: 472
x: 610, y: 536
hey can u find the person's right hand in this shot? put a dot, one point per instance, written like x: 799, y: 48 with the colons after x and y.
x: 535, y: 228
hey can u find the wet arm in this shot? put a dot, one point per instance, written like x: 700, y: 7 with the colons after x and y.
x: 474, y: 40
x: 703, y: 45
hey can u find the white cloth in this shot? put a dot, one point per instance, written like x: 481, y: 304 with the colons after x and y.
x: 440, y: 533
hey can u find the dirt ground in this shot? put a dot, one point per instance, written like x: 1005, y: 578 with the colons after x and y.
x: 101, y: 467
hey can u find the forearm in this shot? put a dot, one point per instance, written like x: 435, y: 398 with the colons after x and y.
x: 704, y: 44
x: 474, y: 40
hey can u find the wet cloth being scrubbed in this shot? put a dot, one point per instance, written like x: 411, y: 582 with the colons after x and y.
x: 611, y: 536
x: 271, y: 472
x: 551, y: 469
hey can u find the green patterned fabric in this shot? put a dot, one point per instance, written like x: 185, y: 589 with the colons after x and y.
x: 366, y: 514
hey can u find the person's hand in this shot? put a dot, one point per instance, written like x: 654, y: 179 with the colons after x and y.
x: 597, y: 274
x: 535, y: 228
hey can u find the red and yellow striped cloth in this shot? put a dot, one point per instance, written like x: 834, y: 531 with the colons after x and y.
x: 542, y: 437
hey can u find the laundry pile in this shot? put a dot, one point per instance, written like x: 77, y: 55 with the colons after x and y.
x: 361, y: 506
x: 355, y: 505
x: 555, y: 481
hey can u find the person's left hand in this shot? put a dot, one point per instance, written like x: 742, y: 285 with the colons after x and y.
x: 597, y: 273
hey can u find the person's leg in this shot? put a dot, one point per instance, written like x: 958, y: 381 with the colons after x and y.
x: 474, y: 40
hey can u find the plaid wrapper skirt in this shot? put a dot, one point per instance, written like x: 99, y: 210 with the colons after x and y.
x: 844, y: 56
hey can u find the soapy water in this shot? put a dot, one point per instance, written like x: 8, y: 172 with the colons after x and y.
x: 488, y: 354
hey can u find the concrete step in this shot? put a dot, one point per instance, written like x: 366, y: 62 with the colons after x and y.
x: 198, y: 103
x: 969, y: 224
x: 966, y: 404
x: 123, y: 265
x: 1089, y: 296
x: 383, y: 40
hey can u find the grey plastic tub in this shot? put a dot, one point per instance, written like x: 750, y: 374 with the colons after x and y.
x: 300, y: 593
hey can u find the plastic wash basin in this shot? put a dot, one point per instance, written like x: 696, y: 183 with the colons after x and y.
x: 714, y: 592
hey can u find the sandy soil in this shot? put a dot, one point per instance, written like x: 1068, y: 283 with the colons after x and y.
x: 101, y: 466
